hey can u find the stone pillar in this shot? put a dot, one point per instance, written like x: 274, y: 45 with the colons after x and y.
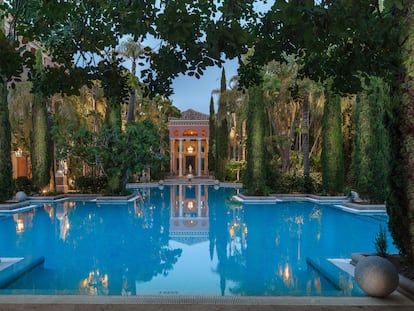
x: 206, y: 151
x: 172, y: 156
x: 180, y: 161
x: 199, y: 157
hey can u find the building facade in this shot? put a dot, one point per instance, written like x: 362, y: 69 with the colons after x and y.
x: 189, y: 139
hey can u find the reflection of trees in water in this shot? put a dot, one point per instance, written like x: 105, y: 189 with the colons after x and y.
x: 225, y: 226
x: 269, y: 261
x: 153, y: 255
x: 130, y: 239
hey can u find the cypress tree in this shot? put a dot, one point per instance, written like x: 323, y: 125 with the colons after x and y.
x: 221, y: 149
x: 10, y: 65
x: 212, y: 138
x: 400, y: 204
x: 255, y: 178
x: 370, y: 159
x: 222, y: 133
x: 39, y: 145
x: 332, y: 153
x: 223, y: 83
x: 6, y: 184
x: 113, y: 138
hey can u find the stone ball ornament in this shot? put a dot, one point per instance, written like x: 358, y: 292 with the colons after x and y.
x: 376, y: 276
x: 21, y: 196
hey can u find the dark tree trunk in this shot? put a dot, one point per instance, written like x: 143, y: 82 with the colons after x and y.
x: 305, y: 146
x: 305, y: 136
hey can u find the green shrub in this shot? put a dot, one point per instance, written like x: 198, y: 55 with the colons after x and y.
x: 285, y: 183
x: 381, y: 242
x: 87, y: 184
x: 24, y: 184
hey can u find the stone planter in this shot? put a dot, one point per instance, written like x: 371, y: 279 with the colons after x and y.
x: 376, y: 276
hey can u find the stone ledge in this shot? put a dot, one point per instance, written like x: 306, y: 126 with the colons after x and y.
x: 14, y: 271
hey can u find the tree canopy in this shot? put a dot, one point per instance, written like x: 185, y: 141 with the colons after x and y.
x: 189, y: 37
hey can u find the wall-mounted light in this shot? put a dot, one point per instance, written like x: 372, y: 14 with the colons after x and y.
x: 18, y: 153
x: 190, y: 149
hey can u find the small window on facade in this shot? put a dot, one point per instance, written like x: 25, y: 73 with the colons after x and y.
x: 190, y: 132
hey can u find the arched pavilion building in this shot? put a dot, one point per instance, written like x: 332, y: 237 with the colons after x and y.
x: 189, y: 137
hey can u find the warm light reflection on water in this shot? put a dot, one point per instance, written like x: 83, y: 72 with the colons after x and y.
x: 185, y: 240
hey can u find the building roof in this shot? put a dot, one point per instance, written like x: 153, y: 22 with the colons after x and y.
x: 191, y: 114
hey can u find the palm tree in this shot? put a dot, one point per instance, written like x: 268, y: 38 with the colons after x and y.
x: 305, y: 88
x: 306, y: 166
x: 131, y: 50
x: 282, y: 107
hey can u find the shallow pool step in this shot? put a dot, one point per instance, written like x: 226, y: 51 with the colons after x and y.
x: 17, y: 269
x: 338, y: 277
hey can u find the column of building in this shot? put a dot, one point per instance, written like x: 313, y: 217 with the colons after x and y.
x: 199, y: 157
x: 180, y: 158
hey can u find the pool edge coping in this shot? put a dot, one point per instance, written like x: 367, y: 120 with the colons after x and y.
x: 395, y: 299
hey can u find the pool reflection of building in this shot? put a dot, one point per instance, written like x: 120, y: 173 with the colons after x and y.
x: 61, y: 213
x: 23, y: 220
x: 189, y: 221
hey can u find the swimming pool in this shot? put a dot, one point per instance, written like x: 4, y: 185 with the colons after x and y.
x: 186, y: 240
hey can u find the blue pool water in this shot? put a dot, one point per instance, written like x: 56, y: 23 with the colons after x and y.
x: 186, y: 240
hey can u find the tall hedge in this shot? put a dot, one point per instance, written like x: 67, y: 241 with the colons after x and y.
x: 332, y: 149
x: 39, y: 144
x: 222, y: 132
x: 255, y: 177
x: 222, y: 153
x: 400, y: 204
x: 212, y: 139
x: 40, y: 138
x: 10, y: 65
x: 371, y: 155
x: 6, y: 185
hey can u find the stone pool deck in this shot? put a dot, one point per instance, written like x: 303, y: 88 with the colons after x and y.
x: 395, y: 301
